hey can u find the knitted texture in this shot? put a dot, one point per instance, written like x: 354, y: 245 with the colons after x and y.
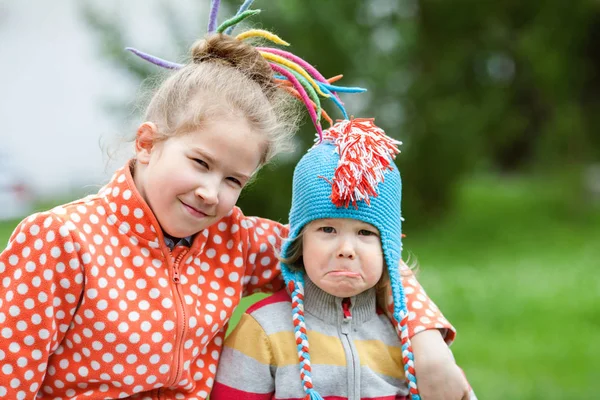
x: 314, y: 192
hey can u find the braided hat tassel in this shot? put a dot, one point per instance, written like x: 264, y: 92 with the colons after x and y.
x: 401, y: 316
x: 296, y: 288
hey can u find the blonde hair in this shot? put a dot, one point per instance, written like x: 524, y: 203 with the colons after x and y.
x: 382, y: 288
x: 225, y: 77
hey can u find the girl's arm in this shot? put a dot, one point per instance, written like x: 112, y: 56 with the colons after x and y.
x: 244, y: 370
x: 42, y: 281
x: 261, y: 238
x: 438, y: 376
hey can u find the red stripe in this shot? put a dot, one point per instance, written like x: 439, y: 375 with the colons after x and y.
x: 279, y: 297
x: 345, y: 398
x: 224, y: 392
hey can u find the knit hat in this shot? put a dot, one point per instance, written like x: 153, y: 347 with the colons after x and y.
x: 350, y: 173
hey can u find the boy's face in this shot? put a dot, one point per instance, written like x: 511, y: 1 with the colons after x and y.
x: 342, y: 256
x: 192, y: 180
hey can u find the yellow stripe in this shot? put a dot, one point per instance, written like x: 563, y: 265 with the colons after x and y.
x: 280, y: 349
x: 323, y: 349
x: 380, y: 358
x: 250, y: 339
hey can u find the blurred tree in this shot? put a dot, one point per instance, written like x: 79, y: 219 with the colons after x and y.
x: 509, y: 86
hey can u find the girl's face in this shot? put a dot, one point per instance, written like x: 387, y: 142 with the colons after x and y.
x: 342, y: 256
x: 192, y: 180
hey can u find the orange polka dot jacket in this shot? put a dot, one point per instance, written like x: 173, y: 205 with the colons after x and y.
x: 93, y: 304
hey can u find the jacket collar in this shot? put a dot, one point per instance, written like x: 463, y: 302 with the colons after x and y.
x: 329, y: 308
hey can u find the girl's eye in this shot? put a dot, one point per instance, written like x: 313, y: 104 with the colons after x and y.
x: 201, y: 162
x: 366, y: 232
x: 327, y: 229
x: 235, y: 180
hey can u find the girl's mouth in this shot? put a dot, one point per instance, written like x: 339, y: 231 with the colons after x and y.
x: 194, y: 211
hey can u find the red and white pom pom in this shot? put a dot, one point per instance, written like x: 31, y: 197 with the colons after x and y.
x: 366, y: 152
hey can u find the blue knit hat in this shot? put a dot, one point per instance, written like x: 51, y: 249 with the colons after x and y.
x: 349, y: 174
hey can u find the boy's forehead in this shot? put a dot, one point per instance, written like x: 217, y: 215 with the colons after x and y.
x: 348, y: 221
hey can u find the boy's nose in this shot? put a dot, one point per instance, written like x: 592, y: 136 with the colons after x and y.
x: 346, y: 250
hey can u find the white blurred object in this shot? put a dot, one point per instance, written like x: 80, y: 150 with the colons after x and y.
x: 592, y: 181
x: 15, y: 196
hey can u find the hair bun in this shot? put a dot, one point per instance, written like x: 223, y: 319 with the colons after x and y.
x: 235, y: 53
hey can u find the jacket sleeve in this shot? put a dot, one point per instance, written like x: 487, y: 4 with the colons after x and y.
x: 423, y: 313
x: 245, y: 367
x: 263, y: 239
x: 42, y: 282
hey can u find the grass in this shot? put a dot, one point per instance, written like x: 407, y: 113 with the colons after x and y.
x: 514, y: 267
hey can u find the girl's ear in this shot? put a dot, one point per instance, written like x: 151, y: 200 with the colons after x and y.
x: 144, y: 141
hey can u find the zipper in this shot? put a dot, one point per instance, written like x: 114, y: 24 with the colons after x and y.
x: 351, y: 356
x: 181, y: 320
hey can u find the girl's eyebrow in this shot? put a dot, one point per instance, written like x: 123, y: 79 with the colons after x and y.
x: 204, y: 154
x: 212, y: 160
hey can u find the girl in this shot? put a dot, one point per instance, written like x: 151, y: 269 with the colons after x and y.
x: 341, y: 256
x: 128, y: 292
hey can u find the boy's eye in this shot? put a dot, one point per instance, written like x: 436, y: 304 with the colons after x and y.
x: 201, y: 162
x: 327, y: 229
x: 366, y: 232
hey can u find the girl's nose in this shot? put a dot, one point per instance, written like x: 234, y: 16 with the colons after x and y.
x: 209, y: 193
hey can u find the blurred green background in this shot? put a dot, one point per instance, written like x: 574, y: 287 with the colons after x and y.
x: 497, y: 104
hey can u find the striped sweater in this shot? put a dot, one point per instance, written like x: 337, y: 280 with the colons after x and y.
x: 355, y: 351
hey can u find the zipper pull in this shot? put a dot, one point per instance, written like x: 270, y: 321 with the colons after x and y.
x: 176, y: 274
x: 346, y: 304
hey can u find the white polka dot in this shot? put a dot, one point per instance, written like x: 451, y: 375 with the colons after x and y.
x: 20, y: 237
x: 234, y: 277
x: 210, y: 253
x: 50, y: 236
x: 265, y: 261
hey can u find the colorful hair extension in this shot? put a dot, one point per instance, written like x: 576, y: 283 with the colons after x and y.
x: 245, y: 5
x: 212, y: 19
x: 305, y: 98
x: 305, y: 82
x: 231, y: 22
